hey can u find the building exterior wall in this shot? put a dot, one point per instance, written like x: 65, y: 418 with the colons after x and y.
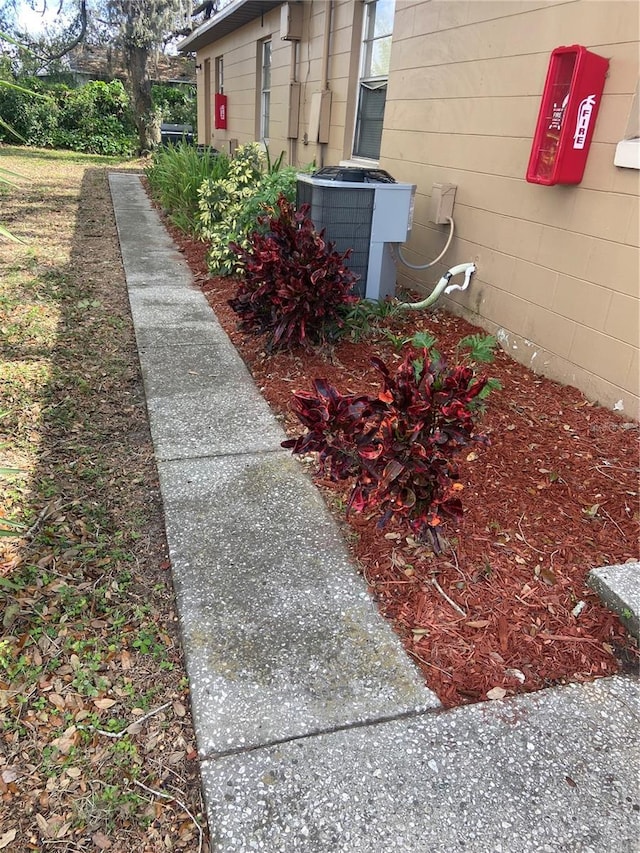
x: 558, y: 267
x: 302, y: 64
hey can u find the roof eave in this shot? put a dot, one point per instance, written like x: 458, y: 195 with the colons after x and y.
x: 226, y: 21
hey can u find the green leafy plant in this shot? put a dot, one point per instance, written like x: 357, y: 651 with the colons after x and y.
x: 481, y: 348
x: 232, y: 209
x: 366, y: 316
x: 398, y: 446
x: 222, y: 202
x: 472, y: 350
x: 175, y: 176
x: 176, y: 104
x: 218, y: 193
x: 28, y: 116
x: 295, y: 287
x: 96, y: 118
x: 247, y: 217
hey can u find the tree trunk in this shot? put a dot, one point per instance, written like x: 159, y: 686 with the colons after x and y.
x: 146, y: 121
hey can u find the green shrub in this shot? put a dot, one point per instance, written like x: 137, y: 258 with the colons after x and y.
x: 221, y: 202
x: 246, y: 217
x: 176, y: 104
x: 34, y: 118
x: 231, y: 210
x: 96, y: 119
x: 175, y: 176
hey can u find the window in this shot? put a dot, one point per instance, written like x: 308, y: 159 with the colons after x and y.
x: 219, y: 75
x: 265, y: 90
x: 374, y: 73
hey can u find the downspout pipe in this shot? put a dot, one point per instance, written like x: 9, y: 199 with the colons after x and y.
x: 328, y: 16
x: 326, y: 44
x: 443, y: 286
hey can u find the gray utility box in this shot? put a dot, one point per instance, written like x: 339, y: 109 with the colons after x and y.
x: 363, y: 210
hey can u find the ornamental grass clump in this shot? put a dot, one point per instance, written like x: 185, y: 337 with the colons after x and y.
x: 175, y: 176
x: 398, y: 446
x: 295, y: 287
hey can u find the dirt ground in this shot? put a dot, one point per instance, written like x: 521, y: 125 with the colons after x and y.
x: 97, y: 749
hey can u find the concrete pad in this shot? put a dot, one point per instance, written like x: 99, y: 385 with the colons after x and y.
x: 280, y: 635
x: 202, y: 401
x: 619, y: 588
x: 191, y: 333
x: 211, y: 414
x: 142, y: 224
x: 157, y: 308
x: 207, y: 368
x: 157, y: 267
x: 127, y: 191
x: 554, y: 771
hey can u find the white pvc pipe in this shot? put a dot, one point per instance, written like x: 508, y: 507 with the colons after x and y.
x: 443, y: 286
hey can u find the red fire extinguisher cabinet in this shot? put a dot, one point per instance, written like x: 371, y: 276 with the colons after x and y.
x: 220, y: 103
x: 567, y: 117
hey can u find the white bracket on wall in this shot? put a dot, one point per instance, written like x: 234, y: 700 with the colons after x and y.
x: 628, y: 154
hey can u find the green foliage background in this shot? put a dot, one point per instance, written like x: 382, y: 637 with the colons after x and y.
x: 94, y: 118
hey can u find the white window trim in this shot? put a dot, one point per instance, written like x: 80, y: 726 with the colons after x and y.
x: 219, y: 73
x: 264, y: 136
x: 359, y: 161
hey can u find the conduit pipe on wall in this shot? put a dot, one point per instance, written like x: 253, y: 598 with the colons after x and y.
x: 326, y: 44
x: 435, y: 260
x: 328, y: 16
x: 443, y: 286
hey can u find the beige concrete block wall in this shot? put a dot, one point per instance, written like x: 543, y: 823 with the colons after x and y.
x: 240, y: 54
x: 344, y: 47
x: 558, y: 267
x: 239, y: 50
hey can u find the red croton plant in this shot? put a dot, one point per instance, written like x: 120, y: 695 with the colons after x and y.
x: 398, y: 446
x: 295, y: 286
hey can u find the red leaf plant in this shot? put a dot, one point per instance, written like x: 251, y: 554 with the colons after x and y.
x: 398, y: 446
x: 295, y: 287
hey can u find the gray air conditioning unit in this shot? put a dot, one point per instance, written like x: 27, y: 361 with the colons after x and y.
x: 363, y: 210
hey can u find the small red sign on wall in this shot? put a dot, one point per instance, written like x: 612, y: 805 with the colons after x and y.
x: 220, y: 112
x: 567, y: 117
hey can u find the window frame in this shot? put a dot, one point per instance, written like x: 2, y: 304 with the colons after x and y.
x: 265, y: 91
x: 367, y: 80
x: 219, y: 75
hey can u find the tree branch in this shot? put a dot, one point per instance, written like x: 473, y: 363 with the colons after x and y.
x: 76, y: 41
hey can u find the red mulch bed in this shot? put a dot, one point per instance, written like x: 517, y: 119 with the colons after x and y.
x: 554, y: 495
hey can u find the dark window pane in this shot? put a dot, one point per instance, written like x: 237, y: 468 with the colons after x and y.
x: 370, y: 119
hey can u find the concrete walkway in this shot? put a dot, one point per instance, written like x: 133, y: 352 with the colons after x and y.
x: 314, y: 730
